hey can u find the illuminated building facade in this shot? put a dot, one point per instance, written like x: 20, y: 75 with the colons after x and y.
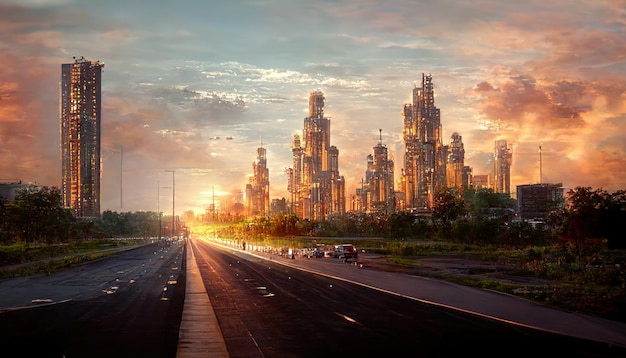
x: 502, y: 168
x: 456, y: 176
x: 424, y: 172
x: 481, y: 181
x: 80, y: 136
x: 258, y: 190
x: 316, y: 187
x: 377, y: 189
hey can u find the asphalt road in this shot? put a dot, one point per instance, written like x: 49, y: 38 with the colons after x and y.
x: 130, y: 305
x: 267, y: 309
x: 127, y: 305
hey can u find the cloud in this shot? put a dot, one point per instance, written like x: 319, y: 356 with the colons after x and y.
x: 177, y: 77
x: 521, y: 101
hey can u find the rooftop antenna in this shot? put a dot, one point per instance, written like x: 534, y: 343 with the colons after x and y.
x: 121, y: 178
x: 540, y: 167
x: 380, y: 133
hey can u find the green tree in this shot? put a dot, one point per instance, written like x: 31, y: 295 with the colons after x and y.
x: 484, y: 202
x: 37, y: 215
x: 130, y: 224
x: 402, y: 225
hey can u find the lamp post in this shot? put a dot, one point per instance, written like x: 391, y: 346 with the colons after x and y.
x: 158, y: 205
x: 173, y: 201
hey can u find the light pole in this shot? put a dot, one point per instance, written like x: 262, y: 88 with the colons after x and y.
x: 158, y: 205
x: 121, y: 174
x: 173, y: 201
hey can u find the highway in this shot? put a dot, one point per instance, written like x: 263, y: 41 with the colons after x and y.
x: 285, y: 308
x: 131, y: 305
x: 126, y: 305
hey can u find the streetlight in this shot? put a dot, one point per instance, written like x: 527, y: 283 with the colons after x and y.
x: 173, y: 200
x: 158, y: 205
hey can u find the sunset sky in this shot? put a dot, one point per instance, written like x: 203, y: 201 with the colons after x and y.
x: 179, y: 74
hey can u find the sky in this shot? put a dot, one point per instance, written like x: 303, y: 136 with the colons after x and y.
x: 180, y: 77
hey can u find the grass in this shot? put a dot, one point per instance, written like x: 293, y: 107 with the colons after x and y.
x: 35, y: 259
x: 48, y: 266
x: 590, y: 281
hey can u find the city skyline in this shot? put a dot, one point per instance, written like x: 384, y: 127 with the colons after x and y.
x: 191, y: 86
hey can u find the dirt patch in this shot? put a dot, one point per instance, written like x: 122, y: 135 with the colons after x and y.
x: 443, y: 267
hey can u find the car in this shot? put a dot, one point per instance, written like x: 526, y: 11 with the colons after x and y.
x: 346, y: 252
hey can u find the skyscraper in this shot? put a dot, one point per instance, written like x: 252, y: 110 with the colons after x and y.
x: 315, y: 184
x: 456, y: 176
x: 258, y: 190
x: 377, y: 189
x: 295, y: 178
x: 424, y: 172
x: 80, y: 136
x: 502, y: 167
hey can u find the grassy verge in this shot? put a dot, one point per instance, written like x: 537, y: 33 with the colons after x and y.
x: 48, y: 266
x: 28, y: 259
x: 588, y: 281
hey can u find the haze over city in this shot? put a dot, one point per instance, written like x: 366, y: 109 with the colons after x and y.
x: 183, y: 78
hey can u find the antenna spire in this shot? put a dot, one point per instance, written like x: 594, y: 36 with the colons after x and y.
x: 540, y: 167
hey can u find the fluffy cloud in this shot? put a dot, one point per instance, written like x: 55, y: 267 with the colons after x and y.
x: 180, y: 75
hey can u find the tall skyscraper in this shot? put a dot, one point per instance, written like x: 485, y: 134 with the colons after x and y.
x: 502, y: 167
x: 377, y: 189
x: 258, y: 190
x: 424, y: 172
x: 456, y: 176
x: 317, y: 189
x: 468, y: 177
x: 80, y: 136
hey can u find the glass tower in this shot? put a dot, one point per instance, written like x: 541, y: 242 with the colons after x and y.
x: 80, y: 136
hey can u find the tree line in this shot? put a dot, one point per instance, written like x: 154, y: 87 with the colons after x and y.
x: 37, y: 215
x: 476, y: 216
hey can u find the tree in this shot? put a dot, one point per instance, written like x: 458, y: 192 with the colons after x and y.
x: 613, y: 220
x: 593, y: 216
x: 484, y: 202
x: 37, y: 215
x: 5, y: 238
x: 448, y: 206
x: 402, y: 224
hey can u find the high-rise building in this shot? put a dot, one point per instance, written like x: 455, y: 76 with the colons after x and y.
x: 502, y: 168
x: 80, y: 136
x: 294, y: 176
x: 468, y: 177
x: 481, y: 181
x: 536, y: 201
x: 316, y: 187
x: 424, y: 172
x: 377, y: 188
x: 457, y: 175
x: 258, y: 190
